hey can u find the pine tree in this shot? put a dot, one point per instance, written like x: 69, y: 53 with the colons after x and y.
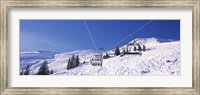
x: 124, y: 51
x: 135, y: 48
x: 127, y: 50
x: 22, y: 72
x: 144, y: 48
x: 69, y: 64
x: 106, y: 56
x: 73, y: 62
x: 77, y: 60
x: 117, y: 51
x: 51, y: 72
x: 139, y: 48
x: 27, y: 70
x: 44, y: 69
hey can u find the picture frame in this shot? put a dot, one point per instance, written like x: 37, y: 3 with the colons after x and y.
x: 4, y: 42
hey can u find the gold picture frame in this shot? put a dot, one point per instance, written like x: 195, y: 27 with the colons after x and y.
x: 5, y: 5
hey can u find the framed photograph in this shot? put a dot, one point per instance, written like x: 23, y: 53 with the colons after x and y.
x: 100, y: 47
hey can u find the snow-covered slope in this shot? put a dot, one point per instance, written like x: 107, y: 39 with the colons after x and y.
x: 161, y: 58
x: 56, y: 61
x: 150, y: 40
x: 33, y: 58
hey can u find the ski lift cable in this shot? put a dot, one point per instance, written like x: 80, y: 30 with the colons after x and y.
x: 90, y: 35
x: 130, y: 34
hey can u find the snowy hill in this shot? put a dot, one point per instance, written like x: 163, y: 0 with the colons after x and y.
x: 161, y: 58
x: 57, y: 61
x: 150, y: 40
x: 35, y: 57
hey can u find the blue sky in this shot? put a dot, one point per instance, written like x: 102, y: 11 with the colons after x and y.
x: 70, y: 35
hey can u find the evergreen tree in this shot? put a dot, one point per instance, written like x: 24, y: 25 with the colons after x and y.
x: 77, y: 60
x: 69, y: 65
x: 73, y: 62
x: 139, y: 48
x: 127, y: 50
x: 135, y: 48
x: 117, y: 51
x: 124, y: 51
x: 22, y: 72
x: 44, y: 69
x: 106, y: 56
x: 144, y: 48
x: 27, y: 70
x: 51, y: 72
x: 73, y: 57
